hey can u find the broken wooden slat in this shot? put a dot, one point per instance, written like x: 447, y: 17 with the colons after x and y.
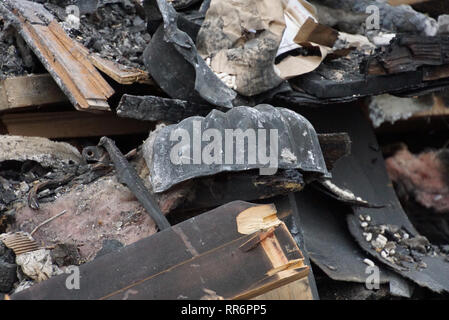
x: 28, y: 91
x: 120, y: 73
x: 70, y: 68
x: 70, y: 46
x: 207, y: 192
x: 205, y: 261
x: 71, y: 124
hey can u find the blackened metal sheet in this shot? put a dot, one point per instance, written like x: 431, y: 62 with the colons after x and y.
x: 170, y: 71
x: 298, y: 145
x: 207, y: 84
x: 364, y: 172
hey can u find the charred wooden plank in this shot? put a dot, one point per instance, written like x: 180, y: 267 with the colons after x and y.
x: 410, y: 65
x: 329, y: 90
x: 118, y: 72
x: 153, y: 108
x: 407, y: 53
x: 434, y: 8
x: 216, y: 266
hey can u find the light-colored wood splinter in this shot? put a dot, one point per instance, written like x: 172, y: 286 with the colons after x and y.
x: 263, y: 221
x: 257, y: 218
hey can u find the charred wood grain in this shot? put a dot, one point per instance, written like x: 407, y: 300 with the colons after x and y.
x: 408, y: 53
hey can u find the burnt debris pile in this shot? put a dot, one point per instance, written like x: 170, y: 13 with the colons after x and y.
x: 252, y: 148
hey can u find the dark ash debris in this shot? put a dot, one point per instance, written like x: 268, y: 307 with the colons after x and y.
x: 115, y: 30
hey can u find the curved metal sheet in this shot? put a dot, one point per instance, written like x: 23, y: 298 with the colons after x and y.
x: 293, y: 135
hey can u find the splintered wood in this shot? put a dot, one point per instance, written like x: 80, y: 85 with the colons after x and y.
x: 61, y: 56
x: 118, y: 72
x: 237, y: 251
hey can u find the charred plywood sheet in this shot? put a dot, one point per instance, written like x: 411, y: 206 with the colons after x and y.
x: 282, y: 134
x: 68, y: 65
x: 239, y: 260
